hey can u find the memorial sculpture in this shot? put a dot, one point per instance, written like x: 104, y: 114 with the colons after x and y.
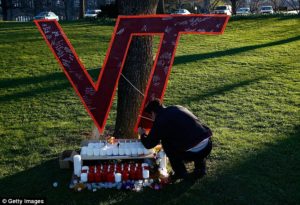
x: 97, y: 97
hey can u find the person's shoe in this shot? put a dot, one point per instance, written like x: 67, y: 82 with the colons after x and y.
x: 201, y: 171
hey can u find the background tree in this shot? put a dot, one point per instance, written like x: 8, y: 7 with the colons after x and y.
x: 276, y: 4
x: 161, y: 7
x: 294, y: 4
x: 4, y: 6
x: 206, y: 6
x: 68, y: 10
x: 212, y: 5
x: 136, y: 69
x: 234, y: 6
x: 254, y: 5
x: 82, y: 9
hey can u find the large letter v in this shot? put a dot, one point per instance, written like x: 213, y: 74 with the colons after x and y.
x: 97, y: 99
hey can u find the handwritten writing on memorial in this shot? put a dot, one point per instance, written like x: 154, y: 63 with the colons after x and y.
x: 97, y: 98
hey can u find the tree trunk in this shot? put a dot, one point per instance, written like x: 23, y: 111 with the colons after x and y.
x: 68, y: 9
x: 161, y: 7
x: 38, y: 5
x: 4, y: 5
x: 82, y: 9
x: 206, y: 6
x: 233, y: 4
x: 136, y: 69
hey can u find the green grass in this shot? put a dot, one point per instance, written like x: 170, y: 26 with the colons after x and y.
x: 244, y: 84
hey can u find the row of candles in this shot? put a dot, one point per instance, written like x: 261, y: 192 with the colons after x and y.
x: 126, y: 148
x: 114, y: 173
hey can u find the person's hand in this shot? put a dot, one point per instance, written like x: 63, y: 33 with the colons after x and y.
x: 141, y: 131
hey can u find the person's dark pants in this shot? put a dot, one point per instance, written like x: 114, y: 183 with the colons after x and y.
x: 199, y: 158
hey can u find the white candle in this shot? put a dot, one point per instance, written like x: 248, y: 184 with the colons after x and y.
x: 118, y: 177
x: 134, y: 151
x: 77, y: 165
x: 109, y: 151
x: 140, y: 151
x: 121, y: 151
x: 96, y: 151
x: 115, y: 151
x: 90, y: 151
x: 146, y: 174
x: 83, y: 177
x: 128, y: 151
x: 163, y: 162
x: 83, y: 151
x: 146, y: 151
x: 103, y: 151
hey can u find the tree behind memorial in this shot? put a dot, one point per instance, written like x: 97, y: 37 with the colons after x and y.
x: 136, y: 69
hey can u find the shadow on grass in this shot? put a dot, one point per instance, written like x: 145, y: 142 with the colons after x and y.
x: 268, y: 176
x: 63, y: 85
x: 221, y: 90
x: 60, y: 78
x: 232, y: 51
x: 178, y: 60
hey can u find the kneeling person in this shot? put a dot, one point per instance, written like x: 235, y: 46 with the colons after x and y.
x: 182, y: 135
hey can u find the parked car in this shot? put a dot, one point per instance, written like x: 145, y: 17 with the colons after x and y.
x: 92, y: 13
x: 226, y: 9
x: 47, y: 15
x: 243, y: 11
x: 266, y: 10
x: 181, y: 11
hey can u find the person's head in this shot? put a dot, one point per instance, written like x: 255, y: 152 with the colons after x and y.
x: 153, y: 107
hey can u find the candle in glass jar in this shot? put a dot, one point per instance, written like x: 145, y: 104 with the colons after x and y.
x: 118, y: 177
x: 90, y: 151
x: 104, y: 176
x: 109, y: 151
x: 121, y: 151
x: 83, y: 177
x: 127, y: 151
x: 111, y: 177
x: 97, y: 177
x: 96, y: 151
x: 140, y: 151
x: 103, y: 151
x: 125, y: 175
x: 146, y: 151
x: 83, y: 151
x: 134, y: 151
x: 115, y: 151
x: 146, y: 174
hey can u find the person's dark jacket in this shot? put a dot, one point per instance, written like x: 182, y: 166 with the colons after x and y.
x: 177, y: 129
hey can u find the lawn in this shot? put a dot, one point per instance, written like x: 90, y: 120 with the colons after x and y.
x: 244, y: 84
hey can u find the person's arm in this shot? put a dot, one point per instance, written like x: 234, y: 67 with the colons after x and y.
x: 151, y: 140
